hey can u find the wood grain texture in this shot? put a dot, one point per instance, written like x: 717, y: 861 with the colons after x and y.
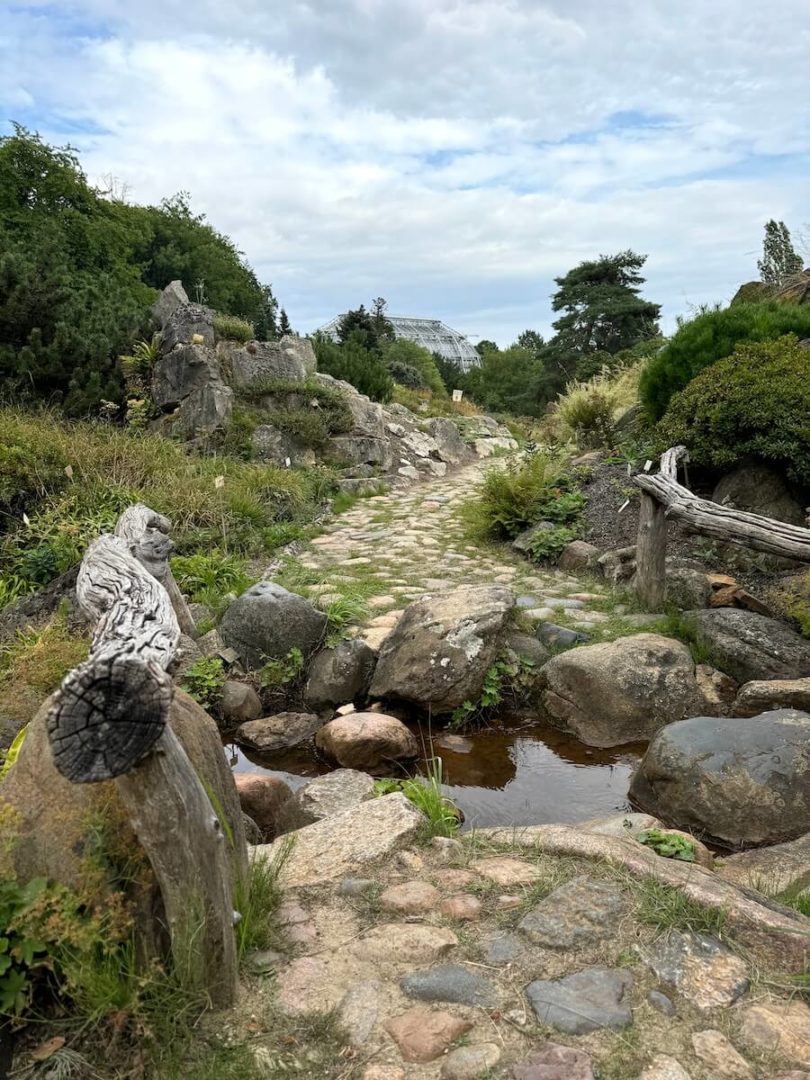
x: 651, y: 553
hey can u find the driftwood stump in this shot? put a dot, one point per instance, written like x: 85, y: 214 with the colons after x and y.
x: 108, y: 721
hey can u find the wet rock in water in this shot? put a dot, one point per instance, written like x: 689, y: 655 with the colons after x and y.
x: 664, y: 1067
x: 262, y: 798
x: 452, y: 983
x: 339, y: 676
x: 404, y: 943
x: 273, y: 733
x: 742, y: 781
x: 439, y: 652
x: 410, y: 898
x: 720, y: 1057
x: 700, y: 968
x: 422, y: 1035
x: 781, y: 1028
x: 239, y: 702
x: 619, y: 691
x: 577, y: 913
x: 336, y: 846
x: 358, y: 1011
x: 504, y: 949
x: 325, y: 796
x: 555, y: 1062
x: 471, y: 1062
x: 661, y: 1003
x: 751, y: 647
x: 267, y: 622
x: 585, y: 1001
x: 458, y: 744
x: 368, y: 740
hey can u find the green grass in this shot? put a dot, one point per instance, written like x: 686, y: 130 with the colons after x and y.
x: 667, y: 908
x: 258, y: 901
x: 232, y: 328
x: 342, y: 613
x: 425, y: 792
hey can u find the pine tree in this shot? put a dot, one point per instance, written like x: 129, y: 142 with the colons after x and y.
x: 284, y: 324
x: 780, y: 260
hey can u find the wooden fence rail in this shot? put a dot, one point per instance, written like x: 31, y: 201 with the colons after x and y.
x: 663, y: 497
x: 108, y: 721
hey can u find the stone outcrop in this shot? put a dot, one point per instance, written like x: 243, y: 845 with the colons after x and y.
x: 258, y: 362
x: 620, y: 691
x: 779, y: 868
x: 438, y: 654
x: 267, y: 621
x: 366, y: 741
x: 751, y: 647
x: 741, y: 781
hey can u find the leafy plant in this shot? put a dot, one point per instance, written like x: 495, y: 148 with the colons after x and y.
x: 669, y: 845
x: 204, y: 681
x: 208, y: 577
x: 282, y: 671
x: 232, y: 328
x: 425, y: 792
x: 20, y: 953
x: 549, y: 543
x: 509, y: 676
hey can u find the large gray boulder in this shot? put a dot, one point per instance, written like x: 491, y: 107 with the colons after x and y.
x: 324, y: 797
x: 188, y: 380
x: 619, y: 691
x: 270, y: 734
x: 267, y: 621
x: 360, y: 449
x: 751, y: 647
x: 187, y: 324
x: 340, y: 676
x: 742, y: 781
x: 438, y: 654
x: 450, y: 446
x: 172, y: 297
x: 260, y: 362
x: 760, y: 489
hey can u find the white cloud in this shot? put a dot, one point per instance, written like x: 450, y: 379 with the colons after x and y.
x: 452, y: 155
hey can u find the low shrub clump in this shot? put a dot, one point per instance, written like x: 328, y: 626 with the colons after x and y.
x: 591, y: 410
x: 710, y: 337
x: 309, y: 412
x: 754, y: 403
x: 232, y: 328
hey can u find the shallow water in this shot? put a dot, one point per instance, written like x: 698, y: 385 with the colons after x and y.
x: 520, y: 774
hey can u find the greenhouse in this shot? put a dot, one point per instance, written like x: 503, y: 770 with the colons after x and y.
x: 431, y: 334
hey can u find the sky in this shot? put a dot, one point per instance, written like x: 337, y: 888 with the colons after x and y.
x: 452, y: 156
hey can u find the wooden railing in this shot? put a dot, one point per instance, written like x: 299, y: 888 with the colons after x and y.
x: 109, y: 721
x: 663, y: 497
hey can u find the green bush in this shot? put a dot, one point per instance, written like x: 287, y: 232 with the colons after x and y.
x: 754, y: 403
x: 204, y: 681
x: 354, y: 363
x: 710, y: 337
x: 405, y: 354
x: 232, y: 328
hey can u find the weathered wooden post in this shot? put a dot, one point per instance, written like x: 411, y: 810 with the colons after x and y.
x: 651, y: 553
x: 108, y: 721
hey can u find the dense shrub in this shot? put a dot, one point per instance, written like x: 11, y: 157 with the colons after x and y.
x: 755, y: 402
x: 403, y: 353
x: 232, y: 328
x: 309, y: 412
x: 712, y: 336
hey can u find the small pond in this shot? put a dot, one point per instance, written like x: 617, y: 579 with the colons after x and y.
x: 518, y: 774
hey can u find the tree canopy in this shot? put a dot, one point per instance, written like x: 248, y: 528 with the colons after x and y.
x: 78, y: 274
x: 780, y: 259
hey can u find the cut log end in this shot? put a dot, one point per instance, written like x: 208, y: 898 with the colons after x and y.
x: 107, y: 716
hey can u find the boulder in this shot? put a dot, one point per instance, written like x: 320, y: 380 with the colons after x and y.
x: 486, y: 447
x: 778, y: 868
x: 187, y: 324
x: 362, y: 450
x: 339, y: 676
x: 438, y: 654
x: 180, y: 372
x: 420, y: 445
x: 450, y: 447
x: 762, y: 695
x: 620, y: 691
x: 273, y: 733
x: 751, y: 647
x: 342, y: 844
x: 258, y: 362
x: 619, y: 565
x: 760, y: 489
x: 366, y: 741
x: 740, y: 781
x: 172, y: 297
x: 270, y: 444
x: 687, y: 585
x: 324, y: 797
x: 239, y: 702
x: 524, y: 541
x: 267, y: 621
x: 578, y: 555
x: 717, y: 691
x: 262, y: 798
x: 58, y: 821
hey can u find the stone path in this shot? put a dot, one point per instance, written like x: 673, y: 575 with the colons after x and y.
x: 391, y: 549
x: 464, y: 959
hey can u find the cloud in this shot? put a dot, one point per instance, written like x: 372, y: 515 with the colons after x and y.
x: 452, y: 155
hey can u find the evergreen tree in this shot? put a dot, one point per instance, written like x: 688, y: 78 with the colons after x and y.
x: 780, y: 260
x: 284, y: 327
x: 351, y: 361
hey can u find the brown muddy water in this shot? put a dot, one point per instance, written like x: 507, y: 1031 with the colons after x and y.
x: 518, y: 774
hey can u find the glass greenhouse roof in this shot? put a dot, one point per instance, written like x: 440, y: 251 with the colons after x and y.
x: 431, y: 334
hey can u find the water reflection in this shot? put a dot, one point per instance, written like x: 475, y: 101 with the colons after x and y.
x: 523, y: 774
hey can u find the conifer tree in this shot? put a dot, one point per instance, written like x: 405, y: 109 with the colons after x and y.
x: 780, y: 260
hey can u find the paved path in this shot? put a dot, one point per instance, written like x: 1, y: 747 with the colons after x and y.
x: 391, y: 549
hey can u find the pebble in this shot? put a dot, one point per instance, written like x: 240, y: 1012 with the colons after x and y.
x: 586, y: 1001
x: 422, y: 1035
x: 453, y: 983
x: 470, y: 1062
x: 506, y: 871
x: 410, y: 898
x: 700, y: 967
x: 555, y: 1062
x: 665, y: 1068
x: 661, y: 1003
x: 355, y: 886
x: 507, y: 902
x: 454, y: 879
x: 462, y: 906
x: 575, y: 914
x: 720, y: 1057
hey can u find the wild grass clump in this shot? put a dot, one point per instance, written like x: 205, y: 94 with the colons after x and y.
x: 666, y: 907
x: 425, y: 792
x: 341, y: 613
x: 258, y: 899
x: 208, y: 577
x: 33, y: 665
x: 232, y: 328
x: 592, y: 410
